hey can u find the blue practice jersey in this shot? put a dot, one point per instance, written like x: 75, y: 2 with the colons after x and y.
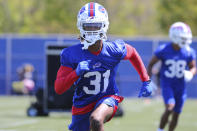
x: 174, y: 62
x: 100, y: 79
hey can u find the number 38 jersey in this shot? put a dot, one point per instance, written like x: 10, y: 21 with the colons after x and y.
x: 99, y: 81
x: 174, y: 62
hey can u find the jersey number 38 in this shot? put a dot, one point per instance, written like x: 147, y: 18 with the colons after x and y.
x: 175, y: 68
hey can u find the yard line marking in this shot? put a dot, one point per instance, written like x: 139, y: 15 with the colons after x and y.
x: 7, y: 130
x: 19, y: 124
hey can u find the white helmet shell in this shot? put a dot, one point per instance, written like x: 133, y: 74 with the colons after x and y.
x: 92, y: 15
x: 180, y: 34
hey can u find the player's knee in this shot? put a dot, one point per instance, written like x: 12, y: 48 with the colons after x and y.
x: 95, y: 123
x: 170, y: 107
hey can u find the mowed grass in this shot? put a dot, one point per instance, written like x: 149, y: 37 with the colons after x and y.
x: 139, y: 115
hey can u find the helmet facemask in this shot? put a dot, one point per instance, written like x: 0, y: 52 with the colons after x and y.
x: 185, y: 41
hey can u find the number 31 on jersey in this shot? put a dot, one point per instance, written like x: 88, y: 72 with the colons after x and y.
x: 97, y: 82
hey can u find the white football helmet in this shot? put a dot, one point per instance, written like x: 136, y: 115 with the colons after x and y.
x: 180, y: 34
x: 92, y: 21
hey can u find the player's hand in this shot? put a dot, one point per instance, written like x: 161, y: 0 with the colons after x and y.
x: 146, y: 89
x: 188, y: 75
x: 82, y: 67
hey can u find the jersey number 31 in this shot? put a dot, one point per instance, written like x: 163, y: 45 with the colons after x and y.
x: 97, y: 82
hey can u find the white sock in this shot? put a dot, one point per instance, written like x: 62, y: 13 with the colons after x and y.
x: 160, y: 129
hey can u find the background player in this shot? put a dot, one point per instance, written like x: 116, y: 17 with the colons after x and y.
x: 178, y: 67
x: 92, y: 66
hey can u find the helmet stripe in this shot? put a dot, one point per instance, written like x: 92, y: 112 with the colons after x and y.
x: 91, y: 9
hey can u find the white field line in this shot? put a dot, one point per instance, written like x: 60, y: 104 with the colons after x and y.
x: 21, y: 123
x: 7, y: 130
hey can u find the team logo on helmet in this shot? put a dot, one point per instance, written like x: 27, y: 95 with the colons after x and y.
x: 178, y: 28
x: 82, y: 10
x: 101, y: 9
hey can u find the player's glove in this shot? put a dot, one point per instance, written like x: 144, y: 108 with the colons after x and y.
x: 188, y: 75
x: 82, y: 67
x: 146, y: 89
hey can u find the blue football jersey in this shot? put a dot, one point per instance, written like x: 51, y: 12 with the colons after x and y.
x: 174, y: 62
x: 100, y: 79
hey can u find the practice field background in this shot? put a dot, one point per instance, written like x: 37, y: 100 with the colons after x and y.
x: 140, y: 115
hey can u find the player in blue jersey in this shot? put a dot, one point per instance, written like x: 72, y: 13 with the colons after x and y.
x: 91, y: 66
x: 178, y: 67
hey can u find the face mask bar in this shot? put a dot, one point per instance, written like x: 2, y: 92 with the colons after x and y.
x: 92, y: 26
x: 92, y: 32
x: 185, y: 42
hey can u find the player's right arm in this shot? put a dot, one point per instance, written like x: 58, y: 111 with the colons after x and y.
x: 152, y: 62
x: 66, y: 77
x: 158, y: 55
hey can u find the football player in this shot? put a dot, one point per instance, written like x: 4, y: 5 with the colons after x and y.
x: 91, y: 65
x: 178, y: 67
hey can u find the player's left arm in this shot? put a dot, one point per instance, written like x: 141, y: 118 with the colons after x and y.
x: 192, y: 67
x: 188, y: 74
x: 135, y: 59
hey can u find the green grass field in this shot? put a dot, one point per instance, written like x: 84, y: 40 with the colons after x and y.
x: 140, y: 115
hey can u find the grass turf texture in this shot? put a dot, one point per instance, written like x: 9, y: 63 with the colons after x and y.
x: 139, y: 115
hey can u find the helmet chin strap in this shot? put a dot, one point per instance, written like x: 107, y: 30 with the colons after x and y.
x: 181, y: 45
x: 86, y: 43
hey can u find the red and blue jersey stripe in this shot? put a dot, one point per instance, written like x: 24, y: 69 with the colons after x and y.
x: 91, y: 9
